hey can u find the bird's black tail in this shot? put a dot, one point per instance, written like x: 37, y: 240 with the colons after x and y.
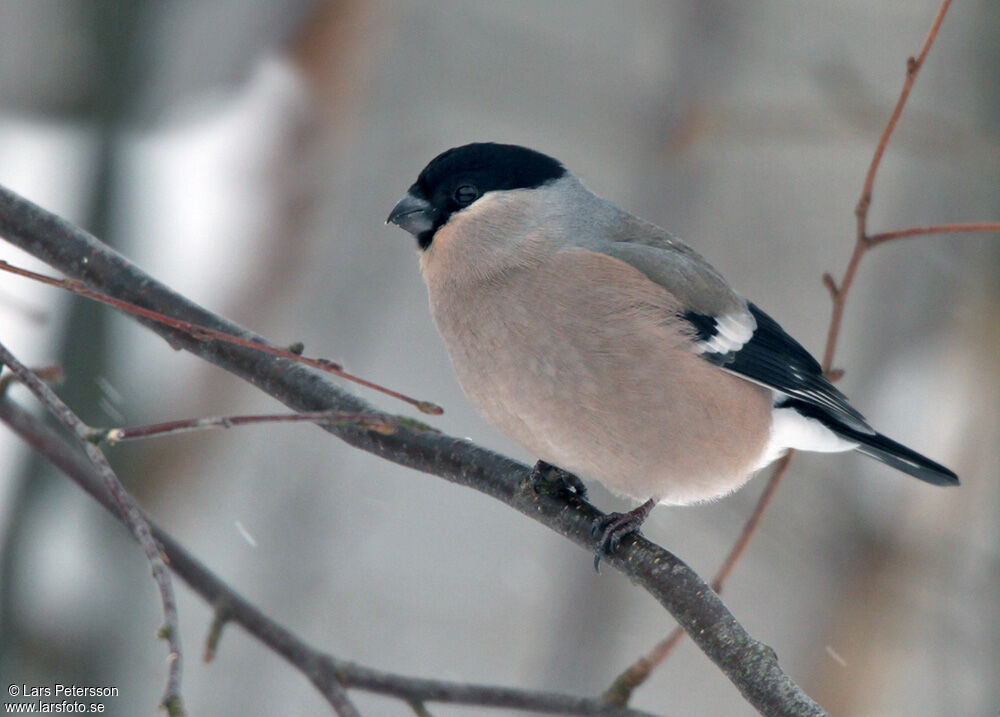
x: 899, y: 457
x: 880, y: 447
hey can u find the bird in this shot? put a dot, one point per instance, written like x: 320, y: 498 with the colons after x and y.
x: 608, y: 348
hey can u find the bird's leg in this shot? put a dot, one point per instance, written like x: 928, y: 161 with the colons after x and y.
x: 611, y: 528
x: 547, y: 478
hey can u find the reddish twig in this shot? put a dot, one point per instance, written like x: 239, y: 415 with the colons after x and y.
x: 863, y: 242
x: 379, y: 422
x: 620, y: 691
x: 636, y: 674
x: 913, y: 65
x: 750, y: 527
x: 129, y: 512
x: 839, y: 295
x: 971, y: 228
x: 204, y: 333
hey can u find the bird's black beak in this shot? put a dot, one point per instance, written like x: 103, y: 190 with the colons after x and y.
x: 414, y: 214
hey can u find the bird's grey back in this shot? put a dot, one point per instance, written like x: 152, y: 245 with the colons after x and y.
x: 595, y: 223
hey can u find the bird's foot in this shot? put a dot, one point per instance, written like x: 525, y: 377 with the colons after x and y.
x: 548, y: 479
x: 611, y: 528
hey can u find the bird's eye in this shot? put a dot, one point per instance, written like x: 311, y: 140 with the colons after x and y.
x: 466, y: 194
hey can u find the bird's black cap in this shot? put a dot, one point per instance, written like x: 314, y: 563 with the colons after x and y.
x: 456, y: 178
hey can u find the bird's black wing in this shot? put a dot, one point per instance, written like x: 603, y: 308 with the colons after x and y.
x: 774, y: 359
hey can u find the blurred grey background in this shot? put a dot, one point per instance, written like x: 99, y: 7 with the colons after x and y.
x: 246, y: 153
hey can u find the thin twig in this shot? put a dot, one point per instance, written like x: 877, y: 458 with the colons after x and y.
x: 913, y: 66
x: 53, y: 373
x: 753, y: 522
x: 130, y: 515
x: 748, y: 663
x: 370, y: 421
x: 331, y: 675
x: 975, y: 227
x: 620, y: 691
x: 219, y: 621
x: 204, y: 333
x: 862, y: 241
x: 420, y: 709
x: 840, y: 302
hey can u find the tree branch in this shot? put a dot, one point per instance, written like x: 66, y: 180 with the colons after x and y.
x: 331, y: 676
x: 970, y: 228
x: 862, y: 242
x: 913, y: 66
x: 749, y: 664
x: 381, y: 422
x: 127, y: 511
x: 204, y: 334
x: 620, y: 691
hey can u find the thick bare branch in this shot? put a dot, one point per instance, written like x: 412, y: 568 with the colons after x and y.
x: 332, y: 676
x: 620, y: 691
